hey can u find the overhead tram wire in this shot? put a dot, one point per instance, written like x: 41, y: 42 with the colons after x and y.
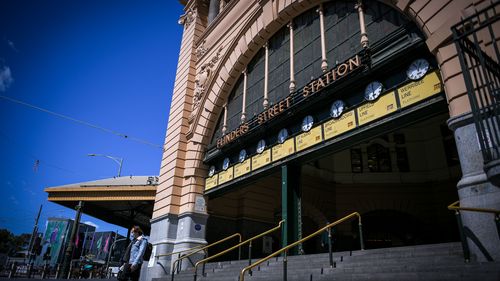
x: 28, y: 154
x: 83, y: 122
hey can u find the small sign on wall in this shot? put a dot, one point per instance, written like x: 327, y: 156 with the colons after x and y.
x: 199, y: 204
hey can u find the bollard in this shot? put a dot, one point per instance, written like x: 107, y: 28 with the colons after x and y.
x: 28, y: 271
x: 44, y: 272
x: 13, y: 269
x: 58, y: 271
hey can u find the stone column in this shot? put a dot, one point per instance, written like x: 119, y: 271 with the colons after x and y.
x: 475, y: 191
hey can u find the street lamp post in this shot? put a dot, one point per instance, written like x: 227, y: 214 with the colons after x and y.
x: 117, y: 160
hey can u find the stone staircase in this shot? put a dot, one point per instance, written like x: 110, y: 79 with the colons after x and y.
x: 425, y: 262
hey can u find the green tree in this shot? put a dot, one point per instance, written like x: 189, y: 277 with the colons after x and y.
x: 10, y: 243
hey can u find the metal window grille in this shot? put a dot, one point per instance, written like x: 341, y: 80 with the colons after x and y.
x: 476, y: 38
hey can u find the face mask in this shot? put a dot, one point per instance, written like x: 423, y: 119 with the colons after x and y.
x: 132, y: 237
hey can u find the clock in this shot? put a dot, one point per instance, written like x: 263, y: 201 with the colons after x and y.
x: 211, y: 171
x: 307, y: 123
x: 242, y: 156
x: 282, y: 135
x: 261, y: 145
x: 373, y: 90
x: 225, y: 164
x: 417, y: 69
x: 337, y: 108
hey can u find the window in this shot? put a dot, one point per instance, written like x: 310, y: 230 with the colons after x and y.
x: 401, y: 153
x: 379, y: 158
x: 356, y: 160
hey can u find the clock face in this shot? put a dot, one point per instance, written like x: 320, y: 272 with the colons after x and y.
x: 373, y: 90
x: 417, y: 69
x: 307, y: 123
x: 261, y: 145
x: 337, y: 108
x: 283, y: 135
x: 211, y: 171
x: 242, y: 156
x: 225, y: 164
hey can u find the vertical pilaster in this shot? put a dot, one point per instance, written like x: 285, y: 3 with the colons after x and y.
x: 292, y: 67
x: 265, y: 103
x: 224, y: 122
x: 244, y: 103
x: 362, y: 27
x: 324, y: 62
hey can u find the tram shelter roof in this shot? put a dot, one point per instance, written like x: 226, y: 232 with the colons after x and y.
x: 123, y: 201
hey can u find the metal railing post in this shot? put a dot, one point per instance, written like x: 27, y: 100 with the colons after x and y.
x: 250, y: 256
x: 465, y: 245
x: 330, y: 246
x: 285, y: 260
x: 360, y: 227
x: 249, y: 241
x: 203, y: 268
x: 174, y: 265
x: 497, y: 222
x: 179, y: 264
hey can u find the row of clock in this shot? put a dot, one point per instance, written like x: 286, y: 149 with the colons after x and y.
x: 415, y: 71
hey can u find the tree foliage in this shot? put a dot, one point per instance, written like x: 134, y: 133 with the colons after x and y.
x: 10, y: 244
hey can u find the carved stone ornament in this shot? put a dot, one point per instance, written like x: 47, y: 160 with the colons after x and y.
x: 187, y: 18
x: 203, y: 77
x: 201, y: 50
x: 200, y: 84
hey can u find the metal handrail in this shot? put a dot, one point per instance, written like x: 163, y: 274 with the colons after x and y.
x: 452, y: 207
x: 455, y: 207
x: 204, y: 261
x: 202, y: 249
x: 286, y: 248
x: 173, y: 253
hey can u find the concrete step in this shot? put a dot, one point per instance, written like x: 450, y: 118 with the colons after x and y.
x: 426, y: 262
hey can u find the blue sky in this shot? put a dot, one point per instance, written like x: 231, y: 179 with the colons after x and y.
x: 110, y: 63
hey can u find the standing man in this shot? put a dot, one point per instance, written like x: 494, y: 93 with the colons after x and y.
x: 134, y: 253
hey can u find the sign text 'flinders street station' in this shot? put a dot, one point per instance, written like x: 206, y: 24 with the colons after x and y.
x: 308, y: 90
